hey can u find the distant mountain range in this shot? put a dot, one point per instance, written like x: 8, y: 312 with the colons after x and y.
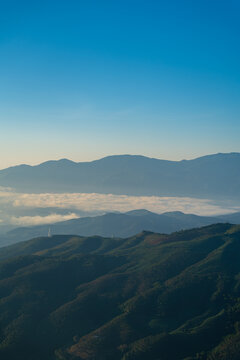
x: 213, y: 176
x: 119, y: 225
x: 150, y: 296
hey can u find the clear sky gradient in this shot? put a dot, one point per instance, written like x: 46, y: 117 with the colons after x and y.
x: 86, y: 79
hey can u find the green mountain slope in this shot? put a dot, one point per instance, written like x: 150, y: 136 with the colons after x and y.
x: 150, y: 296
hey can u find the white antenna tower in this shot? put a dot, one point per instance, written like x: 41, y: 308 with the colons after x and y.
x: 49, y: 233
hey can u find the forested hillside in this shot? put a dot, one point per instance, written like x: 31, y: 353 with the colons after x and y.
x: 150, y: 296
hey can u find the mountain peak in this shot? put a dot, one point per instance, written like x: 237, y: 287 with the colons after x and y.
x: 139, y: 212
x: 59, y: 162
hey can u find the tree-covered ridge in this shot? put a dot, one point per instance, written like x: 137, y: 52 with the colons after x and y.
x: 150, y: 296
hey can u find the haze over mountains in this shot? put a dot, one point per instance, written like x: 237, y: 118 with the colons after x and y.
x: 124, y: 257
x: 118, y: 225
x: 111, y: 286
x: 213, y: 176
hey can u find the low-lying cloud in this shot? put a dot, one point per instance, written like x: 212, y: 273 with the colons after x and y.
x: 40, y: 220
x: 93, y: 202
x: 110, y: 202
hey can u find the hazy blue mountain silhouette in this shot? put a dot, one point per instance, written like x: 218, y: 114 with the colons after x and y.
x: 213, y: 176
x: 115, y: 224
x: 231, y: 218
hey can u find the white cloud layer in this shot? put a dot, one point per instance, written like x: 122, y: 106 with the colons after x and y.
x: 109, y: 202
x: 40, y: 220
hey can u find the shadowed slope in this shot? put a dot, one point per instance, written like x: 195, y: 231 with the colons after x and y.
x: 137, y: 298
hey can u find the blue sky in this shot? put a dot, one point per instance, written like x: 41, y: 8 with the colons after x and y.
x: 85, y: 79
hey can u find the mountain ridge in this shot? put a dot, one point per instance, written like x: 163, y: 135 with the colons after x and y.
x: 119, y: 225
x: 213, y: 176
x: 109, y: 157
x: 177, y: 295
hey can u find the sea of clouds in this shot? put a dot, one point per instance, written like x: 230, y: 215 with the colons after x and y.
x: 11, y: 202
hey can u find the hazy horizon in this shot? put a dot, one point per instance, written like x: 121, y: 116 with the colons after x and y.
x: 85, y: 80
x: 109, y: 256
x: 109, y: 155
